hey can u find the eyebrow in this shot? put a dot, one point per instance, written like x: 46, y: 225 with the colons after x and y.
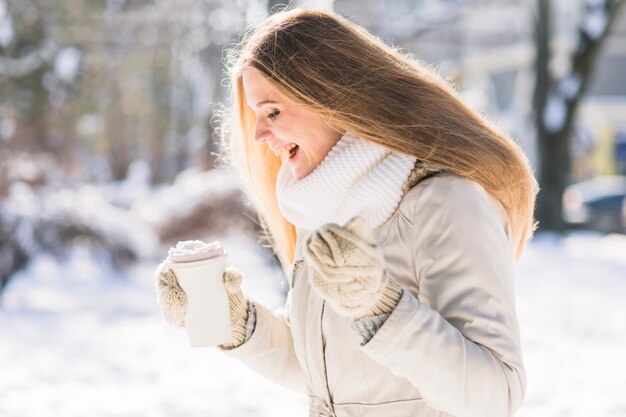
x: 260, y: 103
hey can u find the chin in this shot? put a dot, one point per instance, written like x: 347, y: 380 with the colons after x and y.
x: 299, y: 173
x: 301, y: 169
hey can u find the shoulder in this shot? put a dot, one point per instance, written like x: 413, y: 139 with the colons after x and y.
x: 449, y: 197
x: 442, y: 192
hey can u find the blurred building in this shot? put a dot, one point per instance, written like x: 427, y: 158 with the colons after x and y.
x: 603, y: 111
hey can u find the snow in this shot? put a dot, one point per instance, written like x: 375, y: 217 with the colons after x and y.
x: 594, y: 23
x: 48, y: 220
x: 6, y: 26
x: 80, y: 338
x: 570, y: 86
x: 554, y: 113
x: 132, y: 189
x: 7, y: 126
x: 194, y: 187
x: 571, y: 307
x: 67, y: 63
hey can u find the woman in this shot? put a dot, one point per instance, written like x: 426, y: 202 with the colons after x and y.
x: 397, y: 213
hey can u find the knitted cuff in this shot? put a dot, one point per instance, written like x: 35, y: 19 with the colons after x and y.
x: 388, y: 300
x: 238, y: 306
x: 367, y: 327
x: 251, y: 323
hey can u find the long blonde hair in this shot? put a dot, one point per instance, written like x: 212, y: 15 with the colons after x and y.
x: 361, y: 85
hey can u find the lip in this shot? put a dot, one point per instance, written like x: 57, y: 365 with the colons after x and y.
x: 279, y: 149
x: 295, y: 158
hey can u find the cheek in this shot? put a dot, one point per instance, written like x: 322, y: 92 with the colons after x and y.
x: 285, y: 128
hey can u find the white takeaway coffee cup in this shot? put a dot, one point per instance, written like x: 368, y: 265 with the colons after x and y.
x: 199, y: 268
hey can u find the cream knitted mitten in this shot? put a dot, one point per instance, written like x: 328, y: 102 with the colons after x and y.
x: 349, y: 270
x: 173, y: 302
x: 238, y: 305
x: 172, y: 299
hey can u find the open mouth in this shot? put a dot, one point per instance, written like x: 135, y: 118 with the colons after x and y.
x: 290, y: 150
x: 293, y: 151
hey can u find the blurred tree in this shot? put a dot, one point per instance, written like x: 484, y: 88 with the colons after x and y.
x: 556, y: 100
x: 26, y: 58
x: 39, y: 80
x: 106, y: 83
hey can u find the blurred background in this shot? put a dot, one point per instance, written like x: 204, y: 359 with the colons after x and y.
x: 108, y: 155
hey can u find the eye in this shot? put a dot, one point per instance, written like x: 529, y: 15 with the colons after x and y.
x: 273, y: 114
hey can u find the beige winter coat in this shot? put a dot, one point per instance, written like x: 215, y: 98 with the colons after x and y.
x: 451, y: 346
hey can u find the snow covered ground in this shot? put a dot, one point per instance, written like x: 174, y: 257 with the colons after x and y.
x: 572, y: 311
x: 79, y: 339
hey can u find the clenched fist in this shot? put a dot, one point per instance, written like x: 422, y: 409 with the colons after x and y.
x: 349, y: 270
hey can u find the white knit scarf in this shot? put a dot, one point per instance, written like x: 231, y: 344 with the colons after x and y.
x: 356, y: 178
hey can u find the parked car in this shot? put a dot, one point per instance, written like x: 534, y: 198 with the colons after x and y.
x: 598, y: 204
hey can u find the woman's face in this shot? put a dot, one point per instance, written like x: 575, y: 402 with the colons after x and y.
x: 286, y: 126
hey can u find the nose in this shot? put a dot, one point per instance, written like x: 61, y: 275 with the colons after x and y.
x: 261, y: 133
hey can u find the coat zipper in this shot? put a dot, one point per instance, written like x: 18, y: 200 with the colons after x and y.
x: 294, y: 268
x: 328, y: 396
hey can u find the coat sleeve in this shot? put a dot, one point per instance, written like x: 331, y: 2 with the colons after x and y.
x: 270, y: 349
x: 456, y: 338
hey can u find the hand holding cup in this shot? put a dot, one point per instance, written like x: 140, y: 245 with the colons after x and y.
x: 197, y: 292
